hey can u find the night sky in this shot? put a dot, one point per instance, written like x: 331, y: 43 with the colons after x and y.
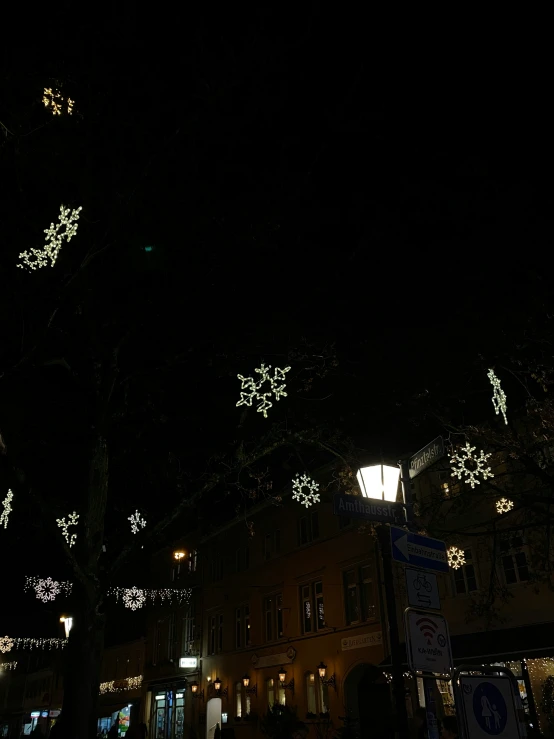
x: 309, y: 200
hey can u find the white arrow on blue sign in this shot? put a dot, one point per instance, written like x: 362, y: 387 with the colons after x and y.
x: 421, y: 551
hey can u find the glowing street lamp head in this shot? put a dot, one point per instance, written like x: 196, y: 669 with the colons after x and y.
x: 379, y: 481
x: 179, y: 554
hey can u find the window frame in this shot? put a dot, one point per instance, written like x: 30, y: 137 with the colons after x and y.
x: 275, y: 614
x: 320, y: 693
x: 461, y: 574
x: 308, y: 593
x: 312, y: 531
x: 215, y: 632
x: 363, y: 604
x: 512, y: 551
x: 242, y: 626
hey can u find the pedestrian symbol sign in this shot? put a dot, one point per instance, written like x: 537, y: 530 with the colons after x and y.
x: 489, y: 708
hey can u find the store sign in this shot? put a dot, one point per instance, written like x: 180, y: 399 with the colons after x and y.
x: 54, y: 714
x: 190, y: 662
x: 35, y: 714
x: 362, y: 640
x: 44, y: 714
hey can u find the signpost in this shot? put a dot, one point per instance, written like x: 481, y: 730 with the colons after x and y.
x: 428, y: 642
x: 421, y: 551
x: 371, y: 509
x: 426, y: 457
x: 422, y: 589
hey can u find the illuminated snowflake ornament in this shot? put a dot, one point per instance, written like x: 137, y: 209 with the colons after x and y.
x: 47, y: 589
x: 136, y: 521
x: 305, y: 498
x: 6, y: 503
x: 504, y: 505
x: 73, y: 518
x: 134, y: 598
x: 6, y: 644
x: 55, y: 236
x: 459, y: 465
x: 498, y: 395
x: 456, y: 557
x: 251, y: 388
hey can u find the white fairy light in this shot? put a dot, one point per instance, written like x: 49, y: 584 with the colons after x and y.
x: 456, y: 557
x: 180, y: 595
x: 54, y: 100
x: 72, y: 521
x: 465, y: 455
x: 32, y: 642
x: 504, y: 505
x: 250, y: 388
x: 305, y: 498
x: 47, y: 589
x: 8, y: 666
x: 38, y: 258
x: 6, y: 644
x: 136, y: 521
x: 6, y: 503
x: 498, y: 395
x: 134, y: 598
x: 119, y: 686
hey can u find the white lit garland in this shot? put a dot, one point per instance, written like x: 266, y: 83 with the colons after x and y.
x: 38, y: 258
x: 73, y: 518
x: 250, y: 388
x: 53, y: 99
x: 136, y: 521
x: 7, y: 643
x: 7, y: 666
x: 47, y: 589
x: 142, y: 595
x: 504, y: 505
x: 6, y: 503
x: 305, y: 498
x: 464, y: 455
x: 456, y: 557
x: 498, y: 395
x: 118, y: 686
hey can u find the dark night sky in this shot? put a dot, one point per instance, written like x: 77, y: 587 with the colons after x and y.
x: 296, y: 182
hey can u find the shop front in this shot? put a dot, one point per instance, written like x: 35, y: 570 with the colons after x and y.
x: 121, y: 714
x: 167, y: 710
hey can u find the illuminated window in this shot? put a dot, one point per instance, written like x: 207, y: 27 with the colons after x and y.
x: 310, y: 692
x: 270, y: 688
x: 238, y: 697
x: 312, y: 607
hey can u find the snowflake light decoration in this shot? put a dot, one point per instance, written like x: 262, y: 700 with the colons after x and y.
x: 305, y: 498
x: 498, y: 395
x: 136, y: 521
x: 134, y: 598
x: 250, y: 388
x: 504, y: 505
x: 180, y: 595
x: 6, y: 503
x: 72, y: 521
x: 456, y: 557
x: 47, y: 589
x: 38, y: 258
x: 6, y: 644
x: 465, y: 455
x: 53, y: 99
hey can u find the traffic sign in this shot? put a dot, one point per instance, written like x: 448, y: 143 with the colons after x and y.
x: 489, y: 708
x: 426, y: 457
x: 421, y: 551
x: 422, y: 589
x: 372, y: 509
x: 428, y: 642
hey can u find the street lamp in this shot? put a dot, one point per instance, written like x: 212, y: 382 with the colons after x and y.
x: 179, y: 554
x: 379, y: 481
x: 282, y: 678
x: 67, y: 621
x: 246, y: 682
x: 322, y: 669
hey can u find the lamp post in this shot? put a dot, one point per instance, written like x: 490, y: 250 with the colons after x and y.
x: 381, y: 481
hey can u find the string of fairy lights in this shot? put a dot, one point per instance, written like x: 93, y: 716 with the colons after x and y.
x: 119, y: 686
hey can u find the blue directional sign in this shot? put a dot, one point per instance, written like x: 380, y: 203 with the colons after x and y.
x: 421, y: 551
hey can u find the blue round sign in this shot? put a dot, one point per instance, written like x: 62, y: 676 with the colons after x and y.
x: 489, y: 708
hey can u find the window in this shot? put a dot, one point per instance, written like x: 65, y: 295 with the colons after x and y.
x: 220, y: 632
x: 193, y: 559
x: 316, y: 694
x: 514, y: 559
x: 465, y: 580
x: 171, y: 642
x: 308, y: 528
x: 313, y: 611
x: 273, y: 617
x: 310, y: 692
x: 217, y: 568
x: 176, y: 571
x: 272, y: 544
x: 188, y: 631
x: 242, y: 627
x: 270, y: 688
x: 242, y: 700
x: 358, y: 594
x: 215, y: 633
x: 242, y: 559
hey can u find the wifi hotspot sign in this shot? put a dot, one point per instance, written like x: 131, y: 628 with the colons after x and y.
x: 428, y: 641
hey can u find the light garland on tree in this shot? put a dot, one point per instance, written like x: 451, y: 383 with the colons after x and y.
x: 47, y: 589
x: 6, y: 503
x: 456, y: 557
x: 136, y: 521
x: 135, y: 598
x: 38, y: 258
x: 73, y: 518
x: 305, y: 498
x: 53, y: 99
x: 464, y: 455
x: 504, y: 505
x: 8, y: 666
x: 7, y: 643
x: 119, y: 686
x: 498, y: 395
x: 250, y: 388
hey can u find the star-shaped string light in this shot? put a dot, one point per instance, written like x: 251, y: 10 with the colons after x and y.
x: 136, y: 521
x: 250, y: 388
x: 6, y: 503
x: 311, y: 495
x: 456, y: 557
x: 498, y: 395
x: 504, y: 505
x: 459, y: 465
x: 73, y: 518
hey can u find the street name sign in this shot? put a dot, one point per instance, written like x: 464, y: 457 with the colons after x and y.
x: 420, y: 551
x: 488, y: 707
x: 422, y: 589
x: 426, y: 457
x: 371, y: 509
x: 428, y: 642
